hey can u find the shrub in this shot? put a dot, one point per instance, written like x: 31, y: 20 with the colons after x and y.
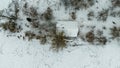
x: 90, y: 37
x: 43, y: 39
x: 47, y: 15
x: 30, y: 35
x: 78, y: 4
x: 11, y: 26
x: 33, y: 12
x: 115, y: 32
x: 35, y: 24
x: 90, y: 15
x: 96, y: 39
x: 115, y: 13
x: 101, y: 40
x: 115, y: 3
x: 99, y: 32
x: 102, y: 16
x: 90, y: 2
x: 73, y: 15
x: 59, y: 42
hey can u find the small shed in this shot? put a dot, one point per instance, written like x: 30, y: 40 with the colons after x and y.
x: 70, y: 28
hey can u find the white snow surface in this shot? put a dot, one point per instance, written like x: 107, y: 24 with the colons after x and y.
x: 16, y: 53
x: 19, y: 53
x: 4, y: 4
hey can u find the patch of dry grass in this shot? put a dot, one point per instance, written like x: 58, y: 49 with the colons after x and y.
x: 115, y: 32
x: 78, y: 4
x: 11, y: 26
x: 47, y: 15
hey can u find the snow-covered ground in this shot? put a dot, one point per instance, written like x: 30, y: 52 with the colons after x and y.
x: 4, y: 4
x: 19, y: 53
x: 16, y: 53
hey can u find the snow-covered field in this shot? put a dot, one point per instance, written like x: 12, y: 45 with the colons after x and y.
x: 16, y: 53
x: 19, y: 53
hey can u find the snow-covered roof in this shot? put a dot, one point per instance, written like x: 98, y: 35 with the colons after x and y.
x: 70, y: 28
